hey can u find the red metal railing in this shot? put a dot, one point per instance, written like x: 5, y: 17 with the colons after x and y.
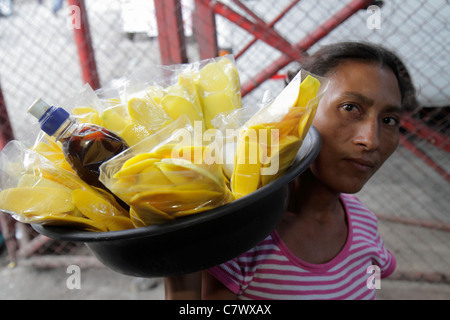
x: 267, y: 26
x: 204, y: 24
x: 266, y: 32
x: 83, y: 42
x: 172, y: 43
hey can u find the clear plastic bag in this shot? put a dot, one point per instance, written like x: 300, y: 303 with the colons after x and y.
x: 35, y: 190
x: 200, y: 90
x: 271, y: 138
x: 139, y: 104
x: 167, y: 176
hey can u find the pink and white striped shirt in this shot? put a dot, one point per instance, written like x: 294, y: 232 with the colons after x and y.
x: 271, y: 271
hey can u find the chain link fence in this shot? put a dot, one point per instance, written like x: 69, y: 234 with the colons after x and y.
x: 40, y: 57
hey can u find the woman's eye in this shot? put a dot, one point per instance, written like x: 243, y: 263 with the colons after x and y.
x: 391, y: 121
x: 349, y: 107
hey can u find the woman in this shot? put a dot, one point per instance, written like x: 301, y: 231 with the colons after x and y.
x: 327, y: 245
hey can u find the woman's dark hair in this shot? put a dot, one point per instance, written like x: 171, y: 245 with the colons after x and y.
x: 327, y: 58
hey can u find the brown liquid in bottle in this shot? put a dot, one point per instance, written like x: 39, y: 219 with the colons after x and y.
x: 87, y: 148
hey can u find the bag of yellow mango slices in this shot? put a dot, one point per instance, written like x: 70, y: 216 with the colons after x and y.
x: 167, y: 176
x: 139, y: 104
x: 269, y: 141
x: 35, y: 190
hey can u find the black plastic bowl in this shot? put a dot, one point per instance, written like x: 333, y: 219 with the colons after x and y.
x: 199, y: 241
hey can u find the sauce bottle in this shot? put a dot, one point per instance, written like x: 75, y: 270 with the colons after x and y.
x: 85, y: 146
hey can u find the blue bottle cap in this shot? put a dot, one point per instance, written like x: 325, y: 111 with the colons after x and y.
x: 50, y: 123
x: 50, y: 118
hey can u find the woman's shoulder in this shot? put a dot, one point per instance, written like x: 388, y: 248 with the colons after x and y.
x: 356, y: 210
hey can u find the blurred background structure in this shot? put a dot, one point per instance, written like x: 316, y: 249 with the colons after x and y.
x: 50, y: 49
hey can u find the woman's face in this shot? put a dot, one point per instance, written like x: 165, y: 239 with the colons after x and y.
x: 358, y: 119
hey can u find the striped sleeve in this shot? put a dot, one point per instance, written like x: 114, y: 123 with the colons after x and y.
x: 230, y: 275
x: 238, y: 273
x: 385, y: 259
x: 365, y: 221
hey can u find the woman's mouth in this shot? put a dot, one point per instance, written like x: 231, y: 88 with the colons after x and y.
x: 360, y: 164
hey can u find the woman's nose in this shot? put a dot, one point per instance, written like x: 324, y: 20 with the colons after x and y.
x: 367, y: 135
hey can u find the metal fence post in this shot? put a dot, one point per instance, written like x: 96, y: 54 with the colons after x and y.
x: 204, y: 24
x: 83, y: 42
x: 172, y: 43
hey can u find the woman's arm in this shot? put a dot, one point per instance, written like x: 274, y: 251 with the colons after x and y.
x: 213, y: 289
x: 196, y: 286
x: 183, y: 287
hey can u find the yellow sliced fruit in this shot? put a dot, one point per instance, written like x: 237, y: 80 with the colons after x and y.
x: 48, y: 145
x: 53, y: 152
x: 68, y: 179
x: 290, y: 122
x: 282, y: 159
x: 234, y: 86
x: 134, y: 133
x: 97, y: 208
x: 114, y: 103
x: 308, y: 90
x: 119, y: 223
x: 306, y: 121
x: 32, y: 201
x: 113, y: 120
x: 137, y: 158
x: 112, y: 200
x: 139, y: 108
x: 193, y: 211
x: 247, y: 168
x: 293, y: 110
x: 171, y: 200
x: 87, y: 115
x: 210, y: 173
x: 175, y: 106
x: 211, y: 78
x: 192, y: 154
x: 156, y: 93
x: 151, y: 177
x: 178, y: 176
x: 123, y: 189
x: 29, y: 180
x: 137, y: 222
x: 163, y: 151
x: 135, y: 169
x: 66, y: 220
x: 146, y: 112
x: 186, y: 80
x: 215, y: 103
x: 147, y: 214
